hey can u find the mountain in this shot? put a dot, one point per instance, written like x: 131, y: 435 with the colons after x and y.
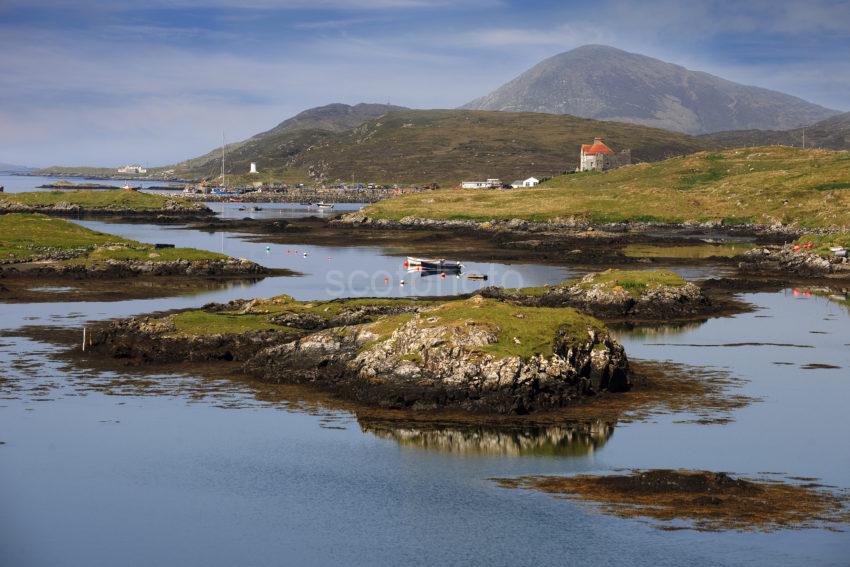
x: 443, y: 146
x: 596, y: 81
x: 11, y: 168
x: 270, y: 148
x: 832, y: 133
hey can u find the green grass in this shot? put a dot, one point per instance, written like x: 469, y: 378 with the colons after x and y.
x: 636, y: 282
x: 198, y: 323
x: 764, y: 185
x: 27, y: 237
x: 535, y: 327
x: 821, y: 243
x: 95, y: 199
x: 695, y: 251
x: 833, y: 186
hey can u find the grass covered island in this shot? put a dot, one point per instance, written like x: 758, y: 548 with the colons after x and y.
x: 35, y: 245
x: 764, y: 186
x: 619, y: 294
x: 475, y: 354
x: 101, y: 202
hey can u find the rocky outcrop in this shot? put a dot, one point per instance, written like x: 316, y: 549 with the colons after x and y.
x: 423, y: 365
x: 613, y: 302
x: 787, y: 260
x: 411, y: 355
x: 566, y: 226
x: 154, y: 340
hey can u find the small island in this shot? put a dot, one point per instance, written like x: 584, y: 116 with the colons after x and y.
x: 35, y: 249
x: 69, y: 185
x: 619, y: 294
x: 476, y: 354
x: 102, y: 203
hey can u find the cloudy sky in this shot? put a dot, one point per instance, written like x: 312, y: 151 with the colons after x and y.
x: 109, y: 82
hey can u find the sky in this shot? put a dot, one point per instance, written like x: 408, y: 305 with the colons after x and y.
x: 107, y: 83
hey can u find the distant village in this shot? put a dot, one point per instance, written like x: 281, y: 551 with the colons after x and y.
x: 596, y: 156
x: 592, y: 157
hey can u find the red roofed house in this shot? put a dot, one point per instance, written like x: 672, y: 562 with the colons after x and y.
x: 599, y: 157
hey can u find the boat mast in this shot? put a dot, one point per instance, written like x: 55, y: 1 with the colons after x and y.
x: 223, y: 184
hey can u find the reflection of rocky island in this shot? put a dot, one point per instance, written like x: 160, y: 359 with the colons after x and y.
x: 566, y: 439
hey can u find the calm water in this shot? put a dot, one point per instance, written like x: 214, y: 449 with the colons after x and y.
x: 24, y: 183
x: 120, y: 469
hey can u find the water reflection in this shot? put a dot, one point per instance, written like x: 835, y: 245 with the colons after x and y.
x: 564, y: 440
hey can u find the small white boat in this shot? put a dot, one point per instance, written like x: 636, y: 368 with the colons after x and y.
x: 323, y: 205
x: 432, y: 264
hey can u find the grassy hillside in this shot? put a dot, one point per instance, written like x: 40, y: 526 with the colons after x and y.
x: 832, y: 133
x: 273, y: 149
x: 95, y: 199
x: 808, y: 188
x: 444, y: 146
x: 27, y: 237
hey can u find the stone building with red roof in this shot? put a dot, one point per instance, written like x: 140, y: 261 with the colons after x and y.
x: 599, y: 157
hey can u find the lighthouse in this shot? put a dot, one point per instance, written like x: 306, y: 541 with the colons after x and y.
x: 253, y: 168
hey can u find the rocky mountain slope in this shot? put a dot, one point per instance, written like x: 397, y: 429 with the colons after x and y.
x: 606, y: 83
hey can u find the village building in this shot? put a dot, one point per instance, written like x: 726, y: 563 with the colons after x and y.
x: 132, y: 169
x: 530, y: 182
x: 599, y: 157
x: 489, y: 184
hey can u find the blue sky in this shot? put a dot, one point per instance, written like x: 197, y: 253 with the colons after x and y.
x: 110, y: 82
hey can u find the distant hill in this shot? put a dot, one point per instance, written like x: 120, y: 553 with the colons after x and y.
x: 832, y: 133
x: 270, y: 149
x: 12, y: 168
x: 443, y: 146
x: 596, y: 81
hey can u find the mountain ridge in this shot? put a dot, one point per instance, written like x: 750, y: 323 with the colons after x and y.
x: 606, y: 83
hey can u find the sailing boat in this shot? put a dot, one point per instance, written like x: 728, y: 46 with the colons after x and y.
x: 223, y: 190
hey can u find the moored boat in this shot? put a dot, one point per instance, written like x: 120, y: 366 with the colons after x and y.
x: 432, y: 264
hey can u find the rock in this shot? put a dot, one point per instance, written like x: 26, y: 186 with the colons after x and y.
x: 786, y: 260
x: 422, y: 366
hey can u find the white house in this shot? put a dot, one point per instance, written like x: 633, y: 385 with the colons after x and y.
x: 132, y: 169
x: 530, y: 182
x: 253, y: 168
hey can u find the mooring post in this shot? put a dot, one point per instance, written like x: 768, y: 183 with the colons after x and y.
x: 84, y: 339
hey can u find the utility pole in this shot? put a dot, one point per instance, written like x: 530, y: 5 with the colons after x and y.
x: 804, y: 137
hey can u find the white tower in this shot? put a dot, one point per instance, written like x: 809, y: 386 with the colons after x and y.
x: 253, y: 167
